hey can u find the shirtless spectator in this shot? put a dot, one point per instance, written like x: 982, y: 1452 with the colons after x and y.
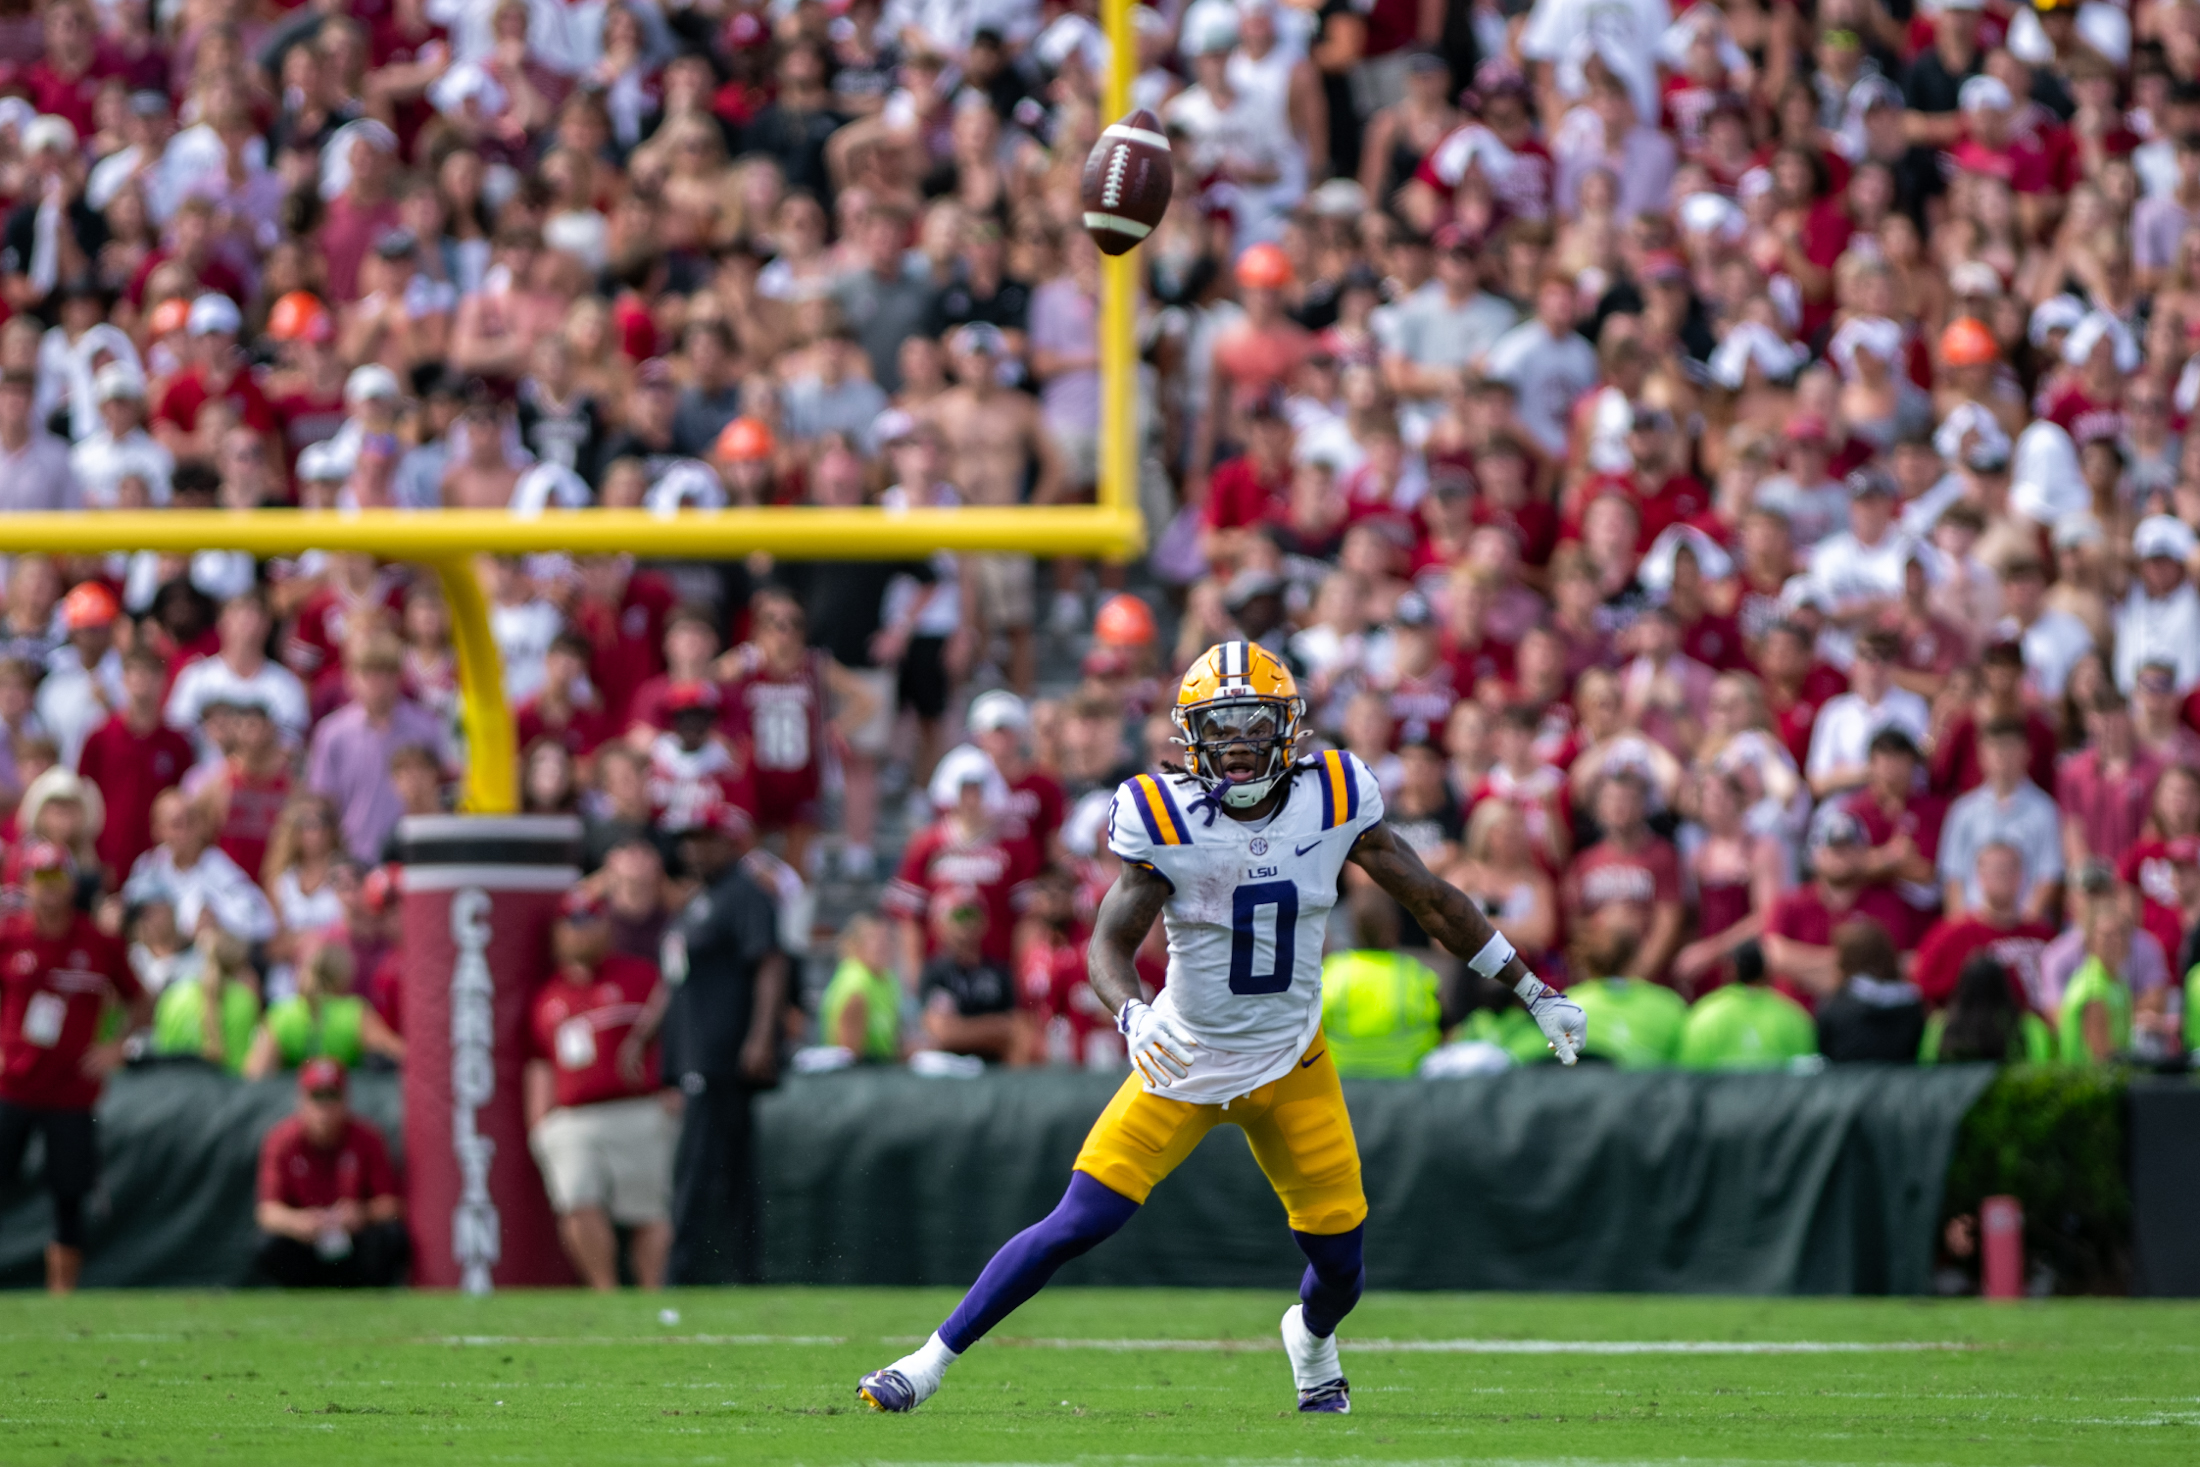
x: 998, y: 453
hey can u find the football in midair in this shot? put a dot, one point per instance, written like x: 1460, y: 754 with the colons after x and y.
x: 1127, y: 183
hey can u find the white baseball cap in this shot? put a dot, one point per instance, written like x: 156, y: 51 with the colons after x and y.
x: 2162, y: 536
x: 1983, y: 92
x: 118, y: 379
x: 214, y: 315
x: 371, y: 383
x: 49, y: 131
x: 997, y: 710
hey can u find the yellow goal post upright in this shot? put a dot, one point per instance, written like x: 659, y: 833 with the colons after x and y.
x: 448, y: 540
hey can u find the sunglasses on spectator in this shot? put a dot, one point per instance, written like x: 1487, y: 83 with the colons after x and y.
x: 325, y: 1097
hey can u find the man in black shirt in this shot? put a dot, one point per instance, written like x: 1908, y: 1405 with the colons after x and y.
x: 793, y: 129
x: 726, y: 979
x: 969, y: 1003
x: 1940, y: 71
x: 982, y: 289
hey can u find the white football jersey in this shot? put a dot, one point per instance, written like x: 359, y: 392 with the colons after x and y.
x: 1248, y: 906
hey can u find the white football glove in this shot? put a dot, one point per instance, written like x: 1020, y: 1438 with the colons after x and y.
x: 1559, y: 1017
x: 1160, y: 1049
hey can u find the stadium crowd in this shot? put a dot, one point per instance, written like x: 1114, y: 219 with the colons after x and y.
x: 1723, y: 471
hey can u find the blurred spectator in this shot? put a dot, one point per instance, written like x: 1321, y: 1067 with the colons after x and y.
x: 2094, y: 1020
x: 1633, y: 1024
x: 1996, y: 924
x: 2007, y: 809
x: 1630, y: 868
x: 1985, y: 1021
x: 1379, y: 1006
x: 967, y: 1000
x: 240, y: 674
x: 1875, y: 1017
x: 132, y: 758
x: 323, y: 1019
x: 187, y: 871
x: 974, y: 843
x: 1748, y: 1024
x: 243, y: 791
x: 210, y: 1009
x: 329, y: 1208
x: 1798, y: 940
x: 351, y: 756
x: 594, y: 1121
x: 1841, y: 737
x: 58, y: 973
x: 860, y: 1010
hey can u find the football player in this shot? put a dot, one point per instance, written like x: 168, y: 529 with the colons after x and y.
x: 1240, y: 852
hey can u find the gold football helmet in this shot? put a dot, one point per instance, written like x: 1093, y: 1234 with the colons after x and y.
x: 1239, y: 693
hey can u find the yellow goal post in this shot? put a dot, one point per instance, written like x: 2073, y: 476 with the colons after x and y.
x: 447, y: 540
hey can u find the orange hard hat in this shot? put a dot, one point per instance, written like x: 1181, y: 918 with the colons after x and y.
x: 169, y: 316
x: 299, y: 316
x: 89, y: 604
x: 1123, y: 621
x: 745, y: 440
x: 1967, y: 343
x: 1264, y: 267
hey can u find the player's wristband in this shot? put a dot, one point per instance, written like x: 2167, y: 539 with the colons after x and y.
x: 1495, y: 954
x: 1530, y: 988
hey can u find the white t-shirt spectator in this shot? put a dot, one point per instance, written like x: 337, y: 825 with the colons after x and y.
x: 2052, y: 646
x: 1548, y: 374
x: 1846, y: 726
x: 212, y: 680
x: 213, y: 883
x: 2167, y: 630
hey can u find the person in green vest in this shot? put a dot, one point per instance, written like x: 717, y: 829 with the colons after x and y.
x: 861, y: 1007
x: 189, y: 1020
x: 324, y: 1017
x: 1380, y: 1010
x: 2094, y: 1020
x: 1634, y: 1024
x: 1748, y: 1024
x: 1984, y: 1022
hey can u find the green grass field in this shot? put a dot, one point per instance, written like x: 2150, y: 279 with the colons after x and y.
x: 767, y: 1376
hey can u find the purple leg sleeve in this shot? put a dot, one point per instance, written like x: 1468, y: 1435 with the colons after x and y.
x: 1335, y: 1275
x: 1087, y: 1214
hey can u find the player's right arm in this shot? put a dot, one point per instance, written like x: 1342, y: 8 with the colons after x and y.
x: 1159, y: 1048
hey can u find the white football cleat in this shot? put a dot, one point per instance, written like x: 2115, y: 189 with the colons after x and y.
x: 1314, y: 1366
x: 910, y: 1381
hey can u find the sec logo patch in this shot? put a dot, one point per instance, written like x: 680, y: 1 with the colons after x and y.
x: 1258, y: 845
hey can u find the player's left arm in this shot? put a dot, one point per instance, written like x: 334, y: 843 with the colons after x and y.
x: 1446, y: 915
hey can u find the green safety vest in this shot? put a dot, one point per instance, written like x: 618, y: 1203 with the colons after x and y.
x: 179, y: 1021
x: 1512, y: 1031
x: 337, y: 1034
x: 881, y: 1010
x: 2038, y: 1039
x: 1635, y: 1025
x: 1380, y: 1013
x: 1745, y: 1026
x: 2092, y: 984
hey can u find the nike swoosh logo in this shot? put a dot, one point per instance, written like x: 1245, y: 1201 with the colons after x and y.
x: 1305, y: 1062
x: 1302, y: 850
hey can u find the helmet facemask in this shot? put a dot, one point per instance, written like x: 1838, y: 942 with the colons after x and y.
x: 1217, y: 735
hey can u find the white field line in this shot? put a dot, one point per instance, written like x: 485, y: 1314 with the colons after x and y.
x: 1393, y: 1347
